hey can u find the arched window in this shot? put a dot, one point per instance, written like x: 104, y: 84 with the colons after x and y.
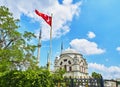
x: 69, y: 62
x: 65, y: 60
x: 70, y: 68
x: 61, y: 63
x: 65, y: 67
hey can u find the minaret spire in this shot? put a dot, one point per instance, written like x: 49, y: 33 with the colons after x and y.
x: 61, y: 46
x: 39, y: 46
x: 48, y: 66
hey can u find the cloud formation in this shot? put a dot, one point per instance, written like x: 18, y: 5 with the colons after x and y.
x: 118, y: 49
x: 86, y: 47
x: 62, y: 13
x: 111, y: 72
x: 91, y: 35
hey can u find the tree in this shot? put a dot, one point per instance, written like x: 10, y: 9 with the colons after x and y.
x: 15, y: 50
x: 96, y: 75
x: 100, y: 79
x: 57, y: 76
x: 28, y: 78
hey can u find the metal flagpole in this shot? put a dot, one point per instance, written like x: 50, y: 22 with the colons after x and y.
x: 39, y: 46
x: 50, y: 54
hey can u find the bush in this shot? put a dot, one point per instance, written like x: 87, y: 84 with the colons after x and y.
x: 29, y: 78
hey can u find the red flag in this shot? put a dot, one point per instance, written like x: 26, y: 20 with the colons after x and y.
x: 47, y: 18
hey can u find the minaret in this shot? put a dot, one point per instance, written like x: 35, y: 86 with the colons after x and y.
x: 48, y: 61
x: 61, y: 46
x: 39, y: 46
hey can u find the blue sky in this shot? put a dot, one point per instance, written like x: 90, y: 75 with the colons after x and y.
x: 88, y: 26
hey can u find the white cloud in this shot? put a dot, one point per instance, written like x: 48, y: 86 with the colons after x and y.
x: 86, y: 47
x: 111, y: 72
x: 91, y: 35
x: 118, y: 48
x: 62, y: 13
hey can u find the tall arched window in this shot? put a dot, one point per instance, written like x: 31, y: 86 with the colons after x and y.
x: 65, y: 67
x: 60, y: 63
x: 70, y: 68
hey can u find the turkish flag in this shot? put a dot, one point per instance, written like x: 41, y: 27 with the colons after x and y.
x: 47, y: 18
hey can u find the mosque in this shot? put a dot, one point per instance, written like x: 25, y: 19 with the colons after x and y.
x: 73, y: 62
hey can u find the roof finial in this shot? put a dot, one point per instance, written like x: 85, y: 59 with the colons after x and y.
x: 61, y: 46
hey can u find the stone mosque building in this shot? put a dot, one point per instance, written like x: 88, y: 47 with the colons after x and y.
x: 73, y: 62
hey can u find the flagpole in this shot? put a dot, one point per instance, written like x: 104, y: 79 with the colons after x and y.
x: 50, y: 54
x: 39, y: 46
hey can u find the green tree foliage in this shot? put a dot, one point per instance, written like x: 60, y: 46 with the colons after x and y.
x: 99, y: 77
x: 58, y: 74
x: 57, y: 77
x: 28, y: 78
x: 31, y: 78
x: 18, y: 67
x: 15, y: 50
x: 96, y: 75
